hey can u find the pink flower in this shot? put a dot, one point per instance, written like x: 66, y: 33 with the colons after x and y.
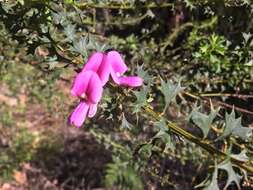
x: 111, y: 64
x: 88, y: 84
x: 88, y: 87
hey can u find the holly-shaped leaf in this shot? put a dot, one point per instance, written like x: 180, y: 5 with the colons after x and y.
x: 143, y: 74
x: 242, y: 156
x: 141, y: 97
x: 164, y: 135
x: 125, y: 124
x: 214, y: 182
x: 70, y: 32
x: 170, y: 90
x: 80, y: 46
x: 232, y: 176
x: 234, y: 127
x: 210, y: 184
x: 204, y: 121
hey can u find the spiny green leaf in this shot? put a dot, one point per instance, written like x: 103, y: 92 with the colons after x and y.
x: 246, y: 36
x: 80, y: 46
x: 203, y: 121
x: 143, y: 74
x: 166, y: 138
x: 70, y: 31
x: 59, y: 18
x: 164, y: 135
x: 232, y: 176
x: 141, y: 97
x: 161, y: 125
x: 242, y: 156
x: 125, y: 124
x: 234, y: 127
x: 214, y: 182
x: 170, y: 90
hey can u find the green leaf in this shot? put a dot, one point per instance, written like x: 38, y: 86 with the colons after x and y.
x: 146, y: 149
x: 166, y: 138
x: 70, y: 31
x: 233, y: 127
x: 203, y: 121
x: 170, y: 91
x: 143, y: 74
x: 141, y: 97
x: 232, y: 176
x: 246, y: 36
x: 161, y: 125
x: 21, y: 2
x: 125, y: 124
x: 59, y: 18
x: 214, y: 182
x: 80, y: 46
x: 189, y: 4
x: 122, y: 174
x: 242, y: 156
x: 163, y: 134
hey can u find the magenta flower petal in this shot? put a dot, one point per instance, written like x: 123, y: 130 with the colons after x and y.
x: 79, y: 114
x: 104, y: 71
x: 132, y: 81
x: 117, y: 63
x: 94, y: 62
x: 92, y: 110
x: 95, y: 89
x: 115, y: 76
x: 81, y: 83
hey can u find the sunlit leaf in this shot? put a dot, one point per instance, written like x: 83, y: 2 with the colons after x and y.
x: 80, y: 46
x: 203, y: 121
x: 170, y: 91
x: 70, y: 32
x: 234, y: 127
x: 141, y: 97
x: 213, y: 185
x: 232, y: 176
x: 242, y: 156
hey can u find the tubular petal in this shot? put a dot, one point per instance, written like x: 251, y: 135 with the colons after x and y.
x: 117, y: 63
x: 132, y: 81
x: 94, y: 62
x: 95, y: 89
x: 92, y: 110
x: 81, y: 83
x: 79, y: 114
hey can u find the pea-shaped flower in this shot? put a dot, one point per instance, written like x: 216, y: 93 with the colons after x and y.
x: 88, y: 87
x: 88, y: 84
x: 111, y: 63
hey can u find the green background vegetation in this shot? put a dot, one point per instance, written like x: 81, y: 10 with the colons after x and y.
x: 188, y: 127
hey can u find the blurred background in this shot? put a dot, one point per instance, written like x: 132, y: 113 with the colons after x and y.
x: 201, y: 49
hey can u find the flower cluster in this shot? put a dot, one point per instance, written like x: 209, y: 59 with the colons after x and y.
x: 88, y: 84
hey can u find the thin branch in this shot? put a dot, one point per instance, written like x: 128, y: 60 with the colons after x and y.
x: 203, y: 144
x: 222, y: 104
x: 225, y: 95
x: 121, y: 6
